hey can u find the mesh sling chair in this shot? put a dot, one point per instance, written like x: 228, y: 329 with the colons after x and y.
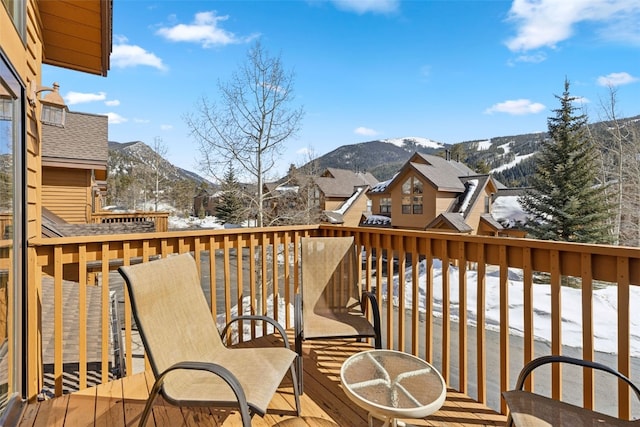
x: 190, y: 363
x: 531, y: 409
x: 330, y: 303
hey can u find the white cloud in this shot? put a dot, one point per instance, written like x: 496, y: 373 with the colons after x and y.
x: 304, y: 151
x: 204, y: 30
x: 365, y: 131
x: 143, y: 121
x: 112, y: 103
x: 166, y: 127
x: 72, y: 98
x: 517, y: 107
x: 126, y: 55
x: 365, y: 6
x: 616, y: 79
x: 544, y: 23
x: 116, y: 119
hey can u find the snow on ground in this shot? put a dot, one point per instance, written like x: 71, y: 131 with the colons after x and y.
x: 194, y: 222
x: 605, y: 306
x: 506, y: 147
x: 511, y: 164
x: 484, y: 145
x: 424, y: 142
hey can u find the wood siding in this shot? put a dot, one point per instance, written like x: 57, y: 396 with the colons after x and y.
x: 67, y: 193
x: 31, y: 60
x: 473, y: 216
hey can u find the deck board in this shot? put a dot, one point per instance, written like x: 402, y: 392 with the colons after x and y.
x: 324, y: 404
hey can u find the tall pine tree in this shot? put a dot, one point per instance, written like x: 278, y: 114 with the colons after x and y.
x: 566, y: 203
x: 230, y: 208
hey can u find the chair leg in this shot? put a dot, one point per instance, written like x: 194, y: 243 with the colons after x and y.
x: 149, y: 404
x: 300, y: 373
x: 296, y: 388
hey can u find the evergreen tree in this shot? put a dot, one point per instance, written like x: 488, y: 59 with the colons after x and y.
x: 565, y: 202
x: 230, y: 208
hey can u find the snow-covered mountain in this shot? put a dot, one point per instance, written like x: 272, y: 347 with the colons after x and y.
x: 412, y: 141
x: 510, y: 158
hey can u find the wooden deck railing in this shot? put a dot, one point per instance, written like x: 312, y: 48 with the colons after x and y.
x: 160, y: 219
x: 253, y: 262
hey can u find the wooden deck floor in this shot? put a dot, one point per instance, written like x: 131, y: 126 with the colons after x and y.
x: 120, y: 403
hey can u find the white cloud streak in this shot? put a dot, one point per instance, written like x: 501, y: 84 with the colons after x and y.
x: 365, y: 131
x: 544, y: 23
x: 204, y: 30
x: 72, y: 98
x: 126, y: 55
x: 616, y: 79
x: 116, y: 119
x: 517, y: 107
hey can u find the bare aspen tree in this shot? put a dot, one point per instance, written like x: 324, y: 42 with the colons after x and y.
x: 250, y: 123
x: 621, y: 169
x: 156, y: 164
x: 296, y: 198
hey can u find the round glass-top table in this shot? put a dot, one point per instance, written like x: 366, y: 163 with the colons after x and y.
x: 391, y: 384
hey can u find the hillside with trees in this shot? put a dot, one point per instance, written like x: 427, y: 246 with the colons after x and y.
x: 140, y: 178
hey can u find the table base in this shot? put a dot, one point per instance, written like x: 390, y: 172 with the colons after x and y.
x: 388, y: 421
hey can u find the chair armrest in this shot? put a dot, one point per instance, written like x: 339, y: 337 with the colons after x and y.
x: 373, y: 302
x: 267, y: 319
x: 535, y: 363
x: 215, y: 369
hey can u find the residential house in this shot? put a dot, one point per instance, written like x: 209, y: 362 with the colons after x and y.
x: 435, y: 193
x: 337, y: 196
x: 74, y: 35
x: 74, y: 166
x: 205, y: 202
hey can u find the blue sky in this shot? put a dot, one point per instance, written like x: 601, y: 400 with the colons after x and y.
x: 447, y: 70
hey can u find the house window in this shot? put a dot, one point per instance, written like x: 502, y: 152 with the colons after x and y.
x: 385, y: 205
x: 316, y: 198
x: 11, y: 233
x: 16, y: 8
x: 412, y: 190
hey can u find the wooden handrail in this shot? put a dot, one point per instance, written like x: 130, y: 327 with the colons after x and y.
x: 263, y: 264
x: 160, y: 219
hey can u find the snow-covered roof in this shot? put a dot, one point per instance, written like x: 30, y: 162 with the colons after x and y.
x: 381, y: 187
x: 344, y: 207
x: 472, y: 185
x: 377, y: 220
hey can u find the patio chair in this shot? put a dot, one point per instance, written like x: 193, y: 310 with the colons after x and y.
x: 190, y: 363
x: 531, y: 409
x: 330, y: 303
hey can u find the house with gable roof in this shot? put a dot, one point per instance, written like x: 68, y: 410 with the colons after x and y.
x: 435, y: 193
x: 74, y: 166
x: 338, y: 195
